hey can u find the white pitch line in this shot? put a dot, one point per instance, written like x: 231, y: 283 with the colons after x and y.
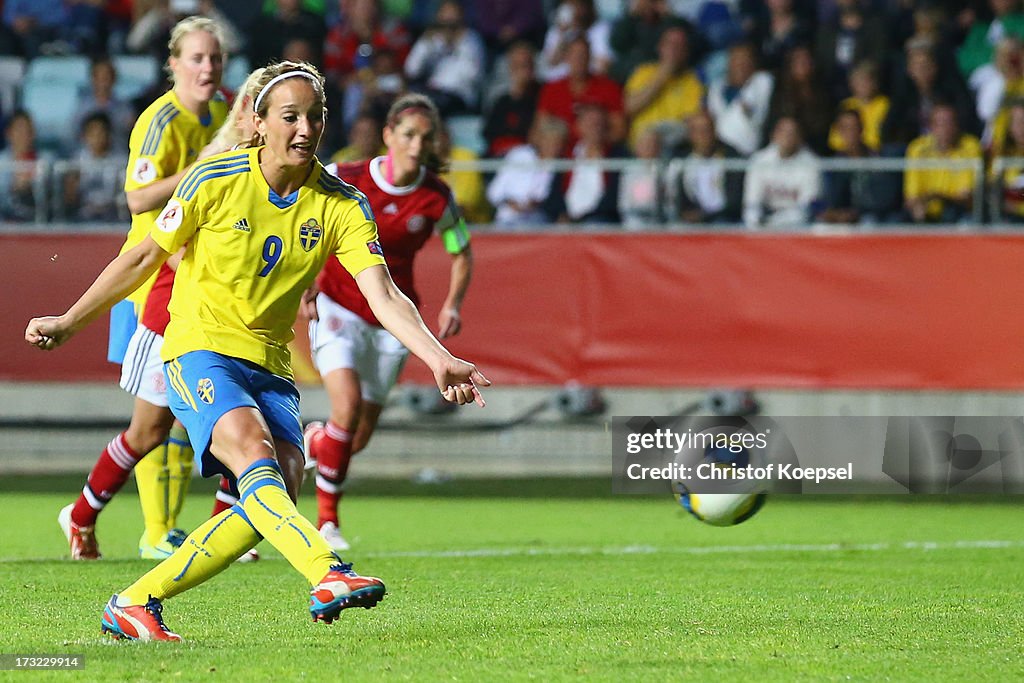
x: 927, y: 546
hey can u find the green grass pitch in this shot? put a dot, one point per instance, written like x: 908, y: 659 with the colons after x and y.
x: 553, y: 581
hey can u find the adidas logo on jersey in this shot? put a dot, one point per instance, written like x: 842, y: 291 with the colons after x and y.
x: 241, y: 224
x: 391, y: 208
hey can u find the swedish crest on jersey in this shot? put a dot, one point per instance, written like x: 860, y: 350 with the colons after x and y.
x: 204, y: 389
x: 310, y: 233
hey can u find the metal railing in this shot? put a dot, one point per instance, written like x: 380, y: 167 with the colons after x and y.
x: 37, y: 194
x: 51, y: 209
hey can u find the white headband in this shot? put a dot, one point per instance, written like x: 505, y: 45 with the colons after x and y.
x: 277, y: 79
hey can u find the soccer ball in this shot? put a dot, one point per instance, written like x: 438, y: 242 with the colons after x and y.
x: 721, y: 509
x: 729, y: 503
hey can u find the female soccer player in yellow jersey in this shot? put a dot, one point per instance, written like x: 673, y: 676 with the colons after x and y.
x: 169, y: 136
x: 259, y: 224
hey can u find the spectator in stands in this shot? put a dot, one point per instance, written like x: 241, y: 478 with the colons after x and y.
x: 352, y: 43
x: 374, y: 88
x: 286, y: 21
x: 117, y: 15
x: 21, y: 176
x: 101, y: 98
x: 933, y: 28
x: 854, y: 35
x: 446, y: 63
x: 871, y: 106
x: 739, y: 102
x: 54, y: 26
x: 152, y: 30
x: 365, y: 141
x: 978, y: 48
x: 858, y: 196
x: 300, y: 50
x: 782, y: 187
x: 520, y: 190
x: 589, y: 192
x: 914, y: 95
x: 941, y: 195
x: 575, y: 19
x: 93, y: 191
x: 641, y: 193
x: 666, y: 92
x: 507, y: 121
x: 1009, y: 184
x: 999, y: 82
x: 634, y: 35
x: 699, y: 189
x: 949, y: 20
x: 776, y: 29
x: 502, y: 23
x: 800, y: 93
x: 563, y: 98
x: 467, y: 185
x: 717, y: 27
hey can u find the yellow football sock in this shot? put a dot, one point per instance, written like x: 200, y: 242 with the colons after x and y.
x: 205, y: 553
x: 153, y: 479
x: 269, y: 509
x: 179, y: 465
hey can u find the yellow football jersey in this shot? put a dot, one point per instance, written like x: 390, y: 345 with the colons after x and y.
x: 166, y: 138
x: 251, y: 254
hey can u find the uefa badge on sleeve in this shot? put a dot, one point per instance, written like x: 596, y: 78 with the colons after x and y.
x: 144, y: 171
x: 170, y: 218
x: 374, y: 248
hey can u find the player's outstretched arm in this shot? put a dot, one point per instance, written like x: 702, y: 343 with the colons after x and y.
x: 119, y: 279
x: 457, y: 380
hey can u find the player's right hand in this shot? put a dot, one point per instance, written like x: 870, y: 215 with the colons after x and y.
x: 460, y: 382
x: 47, y: 333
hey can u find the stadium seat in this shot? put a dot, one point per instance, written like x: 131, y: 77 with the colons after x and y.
x: 135, y: 73
x: 52, y: 107
x: 609, y: 10
x: 236, y: 72
x: 467, y: 131
x: 63, y: 70
x: 12, y: 73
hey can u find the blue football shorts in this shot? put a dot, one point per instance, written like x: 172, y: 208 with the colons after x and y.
x: 123, y: 321
x: 202, y: 386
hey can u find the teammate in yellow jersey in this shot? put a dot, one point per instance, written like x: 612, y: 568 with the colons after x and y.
x: 258, y: 225
x: 168, y: 137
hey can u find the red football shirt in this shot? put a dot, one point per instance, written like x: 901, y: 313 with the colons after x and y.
x: 558, y: 99
x: 406, y: 217
x: 154, y: 315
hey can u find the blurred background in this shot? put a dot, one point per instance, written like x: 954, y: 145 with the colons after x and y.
x: 802, y: 207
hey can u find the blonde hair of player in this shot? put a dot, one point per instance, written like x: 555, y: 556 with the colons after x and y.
x: 185, y: 27
x: 271, y: 72
x: 237, y: 131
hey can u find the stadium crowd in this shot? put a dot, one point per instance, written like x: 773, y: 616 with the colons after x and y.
x: 731, y: 106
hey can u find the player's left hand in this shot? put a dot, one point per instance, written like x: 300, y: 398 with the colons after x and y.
x: 449, y: 323
x: 459, y: 382
x: 47, y: 333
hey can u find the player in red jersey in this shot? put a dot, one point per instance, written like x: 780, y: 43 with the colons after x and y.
x: 358, y: 359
